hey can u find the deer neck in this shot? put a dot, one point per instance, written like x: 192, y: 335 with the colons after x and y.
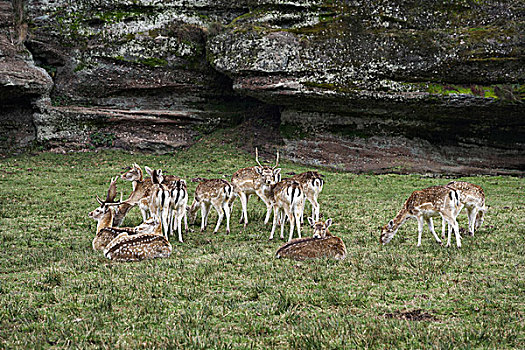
x: 106, y: 220
x: 400, y: 219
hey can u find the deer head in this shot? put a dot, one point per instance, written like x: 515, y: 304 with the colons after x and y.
x: 133, y: 174
x: 320, y: 228
x: 270, y: 175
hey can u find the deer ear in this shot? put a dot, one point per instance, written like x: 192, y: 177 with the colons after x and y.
x: 277, y: 171
x: 148, y: 170
x: 258, y: 169
x: 390, y: 224
x: 328, y: 222
x: 311, y: 221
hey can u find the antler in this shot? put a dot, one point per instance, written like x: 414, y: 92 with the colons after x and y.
x: 99, y: 200
x: 277, y: 161
x: 257, y: 156
x: 112, y: 191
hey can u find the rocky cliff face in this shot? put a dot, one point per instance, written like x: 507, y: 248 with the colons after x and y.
x: 359, y: 85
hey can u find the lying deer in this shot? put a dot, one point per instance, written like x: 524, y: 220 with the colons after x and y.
x: 255, y: 180
x: 472, y: 197
x: 138, y: 247
x: 321, y: 245
x: 423, y: 205
x: 217, y: 193
x: 288, y: 197
x: 104, y: 215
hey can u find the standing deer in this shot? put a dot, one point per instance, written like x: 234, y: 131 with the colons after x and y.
x: 160, y: 199
x: 255, y: 180
x: 287, y: 196
x: 321, y: 245
x: 138, y: 247
x: 178, y: 204
x: 140, y: 195
x: 423, y: 205
x: 472, y: 197
x: 217, y: 193
x: 312, y: 185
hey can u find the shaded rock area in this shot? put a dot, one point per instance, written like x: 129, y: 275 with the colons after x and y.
x: 365, y: 86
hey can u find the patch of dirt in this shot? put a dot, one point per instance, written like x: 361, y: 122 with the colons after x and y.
x: 412, y: 315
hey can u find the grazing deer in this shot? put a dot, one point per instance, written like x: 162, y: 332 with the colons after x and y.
x: 472, y: 197
x: 217, y: 193
x: 321, y: 245
x: 287, y: 196
x: 255, y: 180
x: 312, y: 185
x: 423, y: 205
x: 138, y: 247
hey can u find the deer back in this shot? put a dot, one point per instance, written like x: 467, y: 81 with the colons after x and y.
x: 313, y: 248
x: 138, y: 247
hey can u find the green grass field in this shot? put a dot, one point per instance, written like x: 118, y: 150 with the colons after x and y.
x: 228, y: 291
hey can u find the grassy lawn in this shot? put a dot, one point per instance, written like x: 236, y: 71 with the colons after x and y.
x: 228, y: 291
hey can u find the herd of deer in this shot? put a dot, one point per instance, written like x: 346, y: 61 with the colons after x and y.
x: 163, y: 201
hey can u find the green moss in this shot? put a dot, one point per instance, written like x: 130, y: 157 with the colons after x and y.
x: 153, y: 62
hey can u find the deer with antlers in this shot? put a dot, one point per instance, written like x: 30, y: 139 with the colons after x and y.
x: 423, y: 205
x: 217, y: 193
x: 256, y: 180
x: 321, y: 245
x: 104, y: 215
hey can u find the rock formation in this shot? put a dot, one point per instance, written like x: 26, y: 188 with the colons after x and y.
x: 359, y: 85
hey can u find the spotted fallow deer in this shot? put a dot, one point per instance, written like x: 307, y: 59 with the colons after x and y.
x: 255, y: 180
x: 423, y: 205
x: 159, y: 201
x: 288, y: 197
x: 321, y: 245
x: 472, y: 197
x: 312, y: 185
x: 140, y: 195
x: 168, y: 201
x: 104, y: 215
x: 138, y: 247
x: 217, y: 193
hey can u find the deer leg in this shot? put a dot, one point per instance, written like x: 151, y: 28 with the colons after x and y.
x: 165, y: 217
x: 430, y: 224
x: 472, y: 213
x: 204, y: 214
x: 220, y: 211
x: 226, y: 208
x: 292, y: 225
x: 283, y: 220
x: 244, y: 204
x: 420, y: 222
x: 275, y: 218
x: 179, y: 227
x: 268, y: 211
x: 479, y: 218
x: 298, y: 218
